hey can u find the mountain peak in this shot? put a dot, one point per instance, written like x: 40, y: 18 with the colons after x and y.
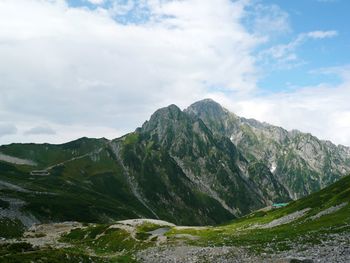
x: 170, y: 112
x: 164, y: 116
x: 206, y: 102
x: 206, y: 107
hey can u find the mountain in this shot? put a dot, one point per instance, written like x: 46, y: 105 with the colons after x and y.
x: 74, y: 181
x: 203, y: 165
x: 299, y: 161
x: 186, y: 166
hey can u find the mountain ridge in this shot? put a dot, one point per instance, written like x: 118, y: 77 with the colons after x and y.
x: 202, y: 165
x: 266, y: 142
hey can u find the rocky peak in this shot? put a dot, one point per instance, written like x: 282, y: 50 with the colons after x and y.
x: 218, y: 119
x: 164, y: 117
x: 172, y: 112
x: 207, y: 108
x: 300, y: 161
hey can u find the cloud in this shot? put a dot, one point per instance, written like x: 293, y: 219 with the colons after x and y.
x: 267, y: 20
x: 321, y: 34
x: 62, y: 65
x: 63, y: 133
x: 39, y: 130
x: 103, y: 71
x: 7, y: 129
x: 96, y: 2
x: 322, y: 110
x: 285, y: 55
x: 121, y: 8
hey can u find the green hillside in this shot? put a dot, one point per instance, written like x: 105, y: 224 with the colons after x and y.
x: 323, y: 226
x: 45, y: 155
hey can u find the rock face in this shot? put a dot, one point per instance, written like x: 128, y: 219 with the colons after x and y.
x: 203, y: 165
x: 175, y: 162
x: 299, y: 161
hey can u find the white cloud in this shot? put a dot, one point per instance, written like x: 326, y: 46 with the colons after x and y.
x: 74, y: 66
x: 62, y: 133
x: 40, y: 130
x: 267, y: 20
x: 7, y: 129
x: 285, y: 55
x: 96, y: 2
x: 322, y: 34
x: 322, y: 110
x: 120, y: 8
x: 82, y: 73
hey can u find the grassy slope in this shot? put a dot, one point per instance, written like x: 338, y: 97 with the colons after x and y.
x: 48, y: 154
x: 95, y: 187
x: 303, y: 229
x: 88, y: 189
x: 116, y: 245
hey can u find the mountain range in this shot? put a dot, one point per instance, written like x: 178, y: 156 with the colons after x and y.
x: 198, y: 166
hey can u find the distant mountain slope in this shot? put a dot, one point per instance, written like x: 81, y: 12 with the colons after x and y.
x: 45, y: 155
x: 299, y: 161
x: 87, y: 189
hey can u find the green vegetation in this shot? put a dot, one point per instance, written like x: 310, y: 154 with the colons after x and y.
x: 117, y: 243
x: 11, y: 228
x: 240, y: 232
x: 110, y: 242
x: 244, y: 231
x: 88, y: 189
x: 131, y: 138
x: 49, y: 154
x: 147, y: 227
x: 27, y: 254
x: 4, y: 204
x: 104, y: 239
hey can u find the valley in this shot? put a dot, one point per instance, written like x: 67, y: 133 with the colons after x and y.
x: 317, y: 230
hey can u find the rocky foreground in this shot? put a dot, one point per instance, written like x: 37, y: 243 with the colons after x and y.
x: 337, y: 251
x: 176, y: 249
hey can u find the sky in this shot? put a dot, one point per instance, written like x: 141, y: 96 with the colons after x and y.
x: 100, y: 68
